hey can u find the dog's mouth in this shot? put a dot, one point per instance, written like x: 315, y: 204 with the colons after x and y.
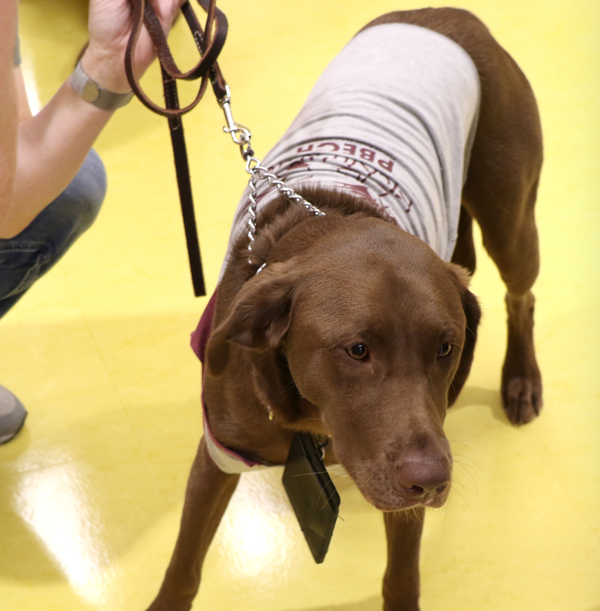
x: 383, y: 488
x: 400, y: 500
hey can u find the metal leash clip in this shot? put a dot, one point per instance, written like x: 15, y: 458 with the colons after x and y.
x: 242, y: 136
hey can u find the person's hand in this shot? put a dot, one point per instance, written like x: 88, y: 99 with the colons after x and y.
x: 110, y: 24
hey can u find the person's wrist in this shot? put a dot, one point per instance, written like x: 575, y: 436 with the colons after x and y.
x: 106, y: 69
x: 91, y: 91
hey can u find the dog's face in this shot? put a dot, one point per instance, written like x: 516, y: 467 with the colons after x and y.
x: 378, y: 335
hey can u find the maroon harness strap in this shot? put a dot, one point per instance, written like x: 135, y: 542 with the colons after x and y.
x: 209, y: 42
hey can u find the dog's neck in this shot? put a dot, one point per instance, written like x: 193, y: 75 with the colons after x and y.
x: 285, y: 229
x: 276, y: 390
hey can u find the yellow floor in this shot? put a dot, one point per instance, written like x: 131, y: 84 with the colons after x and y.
x: 91, y: 490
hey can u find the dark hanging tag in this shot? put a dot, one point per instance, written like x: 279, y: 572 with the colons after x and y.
x: 312, y: 494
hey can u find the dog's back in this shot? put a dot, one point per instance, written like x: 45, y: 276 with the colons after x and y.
x: 392, y: 119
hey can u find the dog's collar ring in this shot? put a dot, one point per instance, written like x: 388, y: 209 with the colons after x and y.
x: 322, y: 445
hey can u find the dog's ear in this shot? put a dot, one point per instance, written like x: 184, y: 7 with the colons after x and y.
x: 473, y: 316
x: 259, y: 316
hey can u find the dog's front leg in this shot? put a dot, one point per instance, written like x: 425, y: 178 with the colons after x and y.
x: 208, y: 493
x: 401, y: 581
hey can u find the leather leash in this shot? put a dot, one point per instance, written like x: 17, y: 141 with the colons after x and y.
x: 209, y: 42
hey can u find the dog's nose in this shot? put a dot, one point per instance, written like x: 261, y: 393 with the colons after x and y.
x: 424, y: 478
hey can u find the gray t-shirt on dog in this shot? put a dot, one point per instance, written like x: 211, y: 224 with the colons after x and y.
x: 393, y: 119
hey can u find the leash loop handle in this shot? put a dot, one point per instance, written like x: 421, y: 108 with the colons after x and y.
x: 209, y: 42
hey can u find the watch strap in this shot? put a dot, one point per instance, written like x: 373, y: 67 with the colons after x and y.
x: 91, y: 92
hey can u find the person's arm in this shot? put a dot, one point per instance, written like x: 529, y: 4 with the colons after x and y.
x: 8, y: 107
x: 53, y: 144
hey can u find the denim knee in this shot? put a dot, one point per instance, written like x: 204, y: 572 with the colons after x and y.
x: 27, y: 256
x: 79, y: 204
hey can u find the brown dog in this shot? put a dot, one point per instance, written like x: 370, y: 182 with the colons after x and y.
x: 358, y: 331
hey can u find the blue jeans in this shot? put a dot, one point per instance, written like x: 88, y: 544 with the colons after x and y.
x: 29, y: 255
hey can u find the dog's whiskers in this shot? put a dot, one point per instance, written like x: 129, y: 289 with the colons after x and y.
x: 466, y: 468
x: 334, y: 491
x: 462, y: 496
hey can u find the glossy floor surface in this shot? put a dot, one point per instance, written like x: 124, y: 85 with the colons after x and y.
x: 91, y: 490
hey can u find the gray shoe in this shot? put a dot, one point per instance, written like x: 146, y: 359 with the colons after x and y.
x: 12, y: 415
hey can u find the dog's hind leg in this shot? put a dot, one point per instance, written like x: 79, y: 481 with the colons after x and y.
x: 401, y: 580
x: 208, y: 493
x: 516, y: 255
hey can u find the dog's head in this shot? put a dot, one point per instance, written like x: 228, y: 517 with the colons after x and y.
x: 367, y: 336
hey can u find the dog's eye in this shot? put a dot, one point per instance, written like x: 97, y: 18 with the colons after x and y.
x: 445, y: 350
x: 358, y: 352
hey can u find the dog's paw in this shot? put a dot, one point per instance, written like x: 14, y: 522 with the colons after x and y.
x: 522, y: 398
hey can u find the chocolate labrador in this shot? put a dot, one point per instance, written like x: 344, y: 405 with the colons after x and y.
x: 346, y: 313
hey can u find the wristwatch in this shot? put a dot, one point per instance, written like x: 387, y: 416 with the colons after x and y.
x: 91, y: 92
